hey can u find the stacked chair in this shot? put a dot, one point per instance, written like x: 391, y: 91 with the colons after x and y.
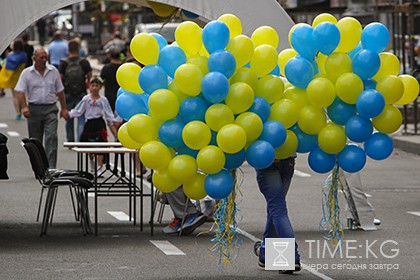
x: 51, y: 179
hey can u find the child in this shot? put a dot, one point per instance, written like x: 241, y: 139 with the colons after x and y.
x: 94, y: 107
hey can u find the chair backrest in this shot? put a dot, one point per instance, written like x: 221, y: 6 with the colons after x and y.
x: 40, y: 148
x: 37, y: 163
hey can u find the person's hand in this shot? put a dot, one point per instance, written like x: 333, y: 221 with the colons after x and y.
x: 25, y: 112
x: 65, y: 114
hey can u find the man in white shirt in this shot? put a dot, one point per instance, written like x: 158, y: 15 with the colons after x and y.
x: 39, y: 87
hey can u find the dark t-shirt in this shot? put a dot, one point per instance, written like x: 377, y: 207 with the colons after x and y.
x: 109, y: 75
x: 29, y: 50
x: 83, y: 63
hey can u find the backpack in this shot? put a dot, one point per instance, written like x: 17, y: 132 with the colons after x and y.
x: 74, y: 77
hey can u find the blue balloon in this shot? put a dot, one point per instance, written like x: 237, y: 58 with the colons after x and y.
x: 375, y: 37
x: 184, y: 150
x: 216, y: 36
x: 352, y: 158
x: 275, y: 71
x: 215, y: 87
x: 306, y: 142
x: 260, y: 154
x: 223, y: 62
x: 320, y: 161
x: 274, y: 133
x: 358, y: 128
x: 261, y: 107
x: 153, y: 77
x: 302, y: 41
x: 326, y: 37
x: 219, y: 185
x: 339, y: 111
x: 170, y: 58
x: 189, y: 14
x: 370, y: 103
x: 121, y: 91
x: 130, y: 104
x: 379, y: 146
x: 170, y: 133
x: 235, y: 160
x: 369, y: 84
x: 193, y: 109
x: 366, y: 64
x: 160, y: 39
x: 354, y: 51
x: 299, y: 71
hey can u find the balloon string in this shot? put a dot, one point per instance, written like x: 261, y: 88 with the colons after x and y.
x: 330, y: 221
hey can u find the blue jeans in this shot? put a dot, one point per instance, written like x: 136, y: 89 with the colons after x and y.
x: 71, y: 102
x: 274, y: 182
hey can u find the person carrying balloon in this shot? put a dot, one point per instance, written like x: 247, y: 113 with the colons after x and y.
x: 94, y: 107
x: 274, y: 182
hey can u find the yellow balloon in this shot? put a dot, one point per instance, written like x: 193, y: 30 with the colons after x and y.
x: 162, y: 10
x: 390, y: 65
x: 284, y: 111
x: 231, y: 138
x: 324, y: 17
x: 188, y: 79
x: 283, y: 57
x: 320, y: 60
x: 201, y: 62
x: 245, y: 75
x: 289, y: 146
x: 311, y: 119
x: 264, y: 60
x: 194, y: 189
x: 350, y: 34
x: 332, y: 138
x: 127, y: 77
x: 298, y: 95
x: 182, y: 168
x: 242, y: 48
x: 179, y: 94
x: 155, y: 155
x: 196, y: 135
x: 337, y: 64
x: 211, y: 159
x: 142, y: 128
x: 188, y: 36
x: 145, y: 48
x: 163, y: 181
x: 240, y: 97
x: 411, y: 89
x: 389, y: 120
x: 252, y: 125
x: 233, y: 23
x: 265, y: 35
x: 125, y: 138
x: 391, y: 87
x: 271, y: 88
x: 321, y: 92
x: 348, y: 87
x: 218, y: 115
x: 163, y: 104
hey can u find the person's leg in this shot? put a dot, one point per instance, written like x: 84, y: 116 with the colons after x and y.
x: 50, y: 130
x: 176, y: 200
x: 16, y: 103
x: 80, y: 125
x: 271, y: 185
x: 70, y: 130
x: 35, y: 123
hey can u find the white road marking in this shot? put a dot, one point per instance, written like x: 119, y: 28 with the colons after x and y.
x: 301, y: 174
x: 119, y: 215
x: 414, y: 213
x: 309, y: 269
x: 368, y: 195
x: 167, y: 247
x: 91, y: 194
x: 3, y: 125
x: 13, y: 134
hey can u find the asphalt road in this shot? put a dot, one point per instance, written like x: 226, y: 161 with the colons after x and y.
x: 121, y: 251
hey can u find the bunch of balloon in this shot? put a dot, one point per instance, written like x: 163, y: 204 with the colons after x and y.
x: 203, y: 105
x: 346, y: 88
